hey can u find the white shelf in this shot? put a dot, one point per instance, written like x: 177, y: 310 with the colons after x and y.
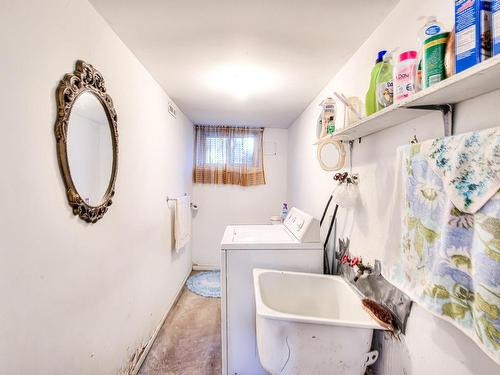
x: 478, y: 80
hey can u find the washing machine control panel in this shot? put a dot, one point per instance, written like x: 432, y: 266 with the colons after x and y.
x: 303, y: 226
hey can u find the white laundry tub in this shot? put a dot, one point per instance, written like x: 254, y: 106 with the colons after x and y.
x: 311, y: 324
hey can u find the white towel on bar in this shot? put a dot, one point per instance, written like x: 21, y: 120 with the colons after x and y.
x: 182, y: 222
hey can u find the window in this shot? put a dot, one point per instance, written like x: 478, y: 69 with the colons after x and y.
x: 228, y: 155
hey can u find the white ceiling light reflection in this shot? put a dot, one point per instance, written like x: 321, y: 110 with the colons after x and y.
x: 242, y: 81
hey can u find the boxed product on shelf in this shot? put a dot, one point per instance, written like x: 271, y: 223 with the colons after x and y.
x: 495, y: 27
x: 473, y: 32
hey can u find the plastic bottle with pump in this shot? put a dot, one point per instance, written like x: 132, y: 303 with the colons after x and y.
x: 384, y: 83
x: 431, y: 27
x: 371, y: 101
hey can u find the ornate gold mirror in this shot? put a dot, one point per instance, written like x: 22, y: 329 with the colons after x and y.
x: 87, y: 142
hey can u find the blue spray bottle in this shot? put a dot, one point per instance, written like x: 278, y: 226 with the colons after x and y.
x: 284, y: 211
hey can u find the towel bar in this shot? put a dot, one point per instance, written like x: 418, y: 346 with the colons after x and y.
x: 192, y: 205
x: 173, y: 199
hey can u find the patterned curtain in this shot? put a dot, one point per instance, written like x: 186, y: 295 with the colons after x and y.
x: 228, y: 155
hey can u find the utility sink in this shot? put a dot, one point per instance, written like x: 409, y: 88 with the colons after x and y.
x: 311, y: 324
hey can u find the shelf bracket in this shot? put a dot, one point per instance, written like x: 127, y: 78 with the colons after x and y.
x: 447, y: 112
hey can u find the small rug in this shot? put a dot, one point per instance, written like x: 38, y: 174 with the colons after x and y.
x: 206, y: 284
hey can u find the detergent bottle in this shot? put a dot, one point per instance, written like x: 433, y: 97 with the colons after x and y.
x: 284, y: 211
x: 384, y: 83
x: 371, y: 98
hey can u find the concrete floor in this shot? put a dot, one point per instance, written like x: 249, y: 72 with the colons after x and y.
x: 189, y: 342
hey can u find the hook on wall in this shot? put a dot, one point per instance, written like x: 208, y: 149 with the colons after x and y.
x: 351, y: 147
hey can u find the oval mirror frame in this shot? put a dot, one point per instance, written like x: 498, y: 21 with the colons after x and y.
x: 341, y: 159
x: 85, y: 78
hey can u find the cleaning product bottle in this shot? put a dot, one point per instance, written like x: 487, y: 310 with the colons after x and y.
x: 433, y: 66
x: 420, y: 74
x: 384, y: 83
x: 405, y: 76
x: 330, y: 129
x: 284, y: 211
x: 329, y: 109
x: 371, y: 101
x: 431, y: 27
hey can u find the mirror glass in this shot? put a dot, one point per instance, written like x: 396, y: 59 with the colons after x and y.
x: 89, y: 148
x: 331, y: 155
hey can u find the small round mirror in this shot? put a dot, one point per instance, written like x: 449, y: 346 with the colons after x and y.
x: 331, y: 155
x: 90, y: 148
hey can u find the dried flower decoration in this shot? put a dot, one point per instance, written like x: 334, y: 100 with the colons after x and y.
x: 346, y: 178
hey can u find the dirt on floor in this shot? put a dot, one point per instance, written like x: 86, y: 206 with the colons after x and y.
x: 189, y: 342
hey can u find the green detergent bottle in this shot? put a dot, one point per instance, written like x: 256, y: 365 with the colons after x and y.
x: 371, y: 99
x: 384, y: 84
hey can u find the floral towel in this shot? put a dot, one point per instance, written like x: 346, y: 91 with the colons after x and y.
x: 448, y: 257
x: 469, y: 164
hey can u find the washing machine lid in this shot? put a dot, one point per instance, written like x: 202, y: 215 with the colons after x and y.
x: 299, y: 231
x: 262, y: 234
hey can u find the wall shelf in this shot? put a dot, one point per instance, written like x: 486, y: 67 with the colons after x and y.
x: 478, y: 80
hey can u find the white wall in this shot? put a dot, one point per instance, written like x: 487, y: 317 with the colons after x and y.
x: 222, y: 205
x: 431, y: 345
x: 80, y: 298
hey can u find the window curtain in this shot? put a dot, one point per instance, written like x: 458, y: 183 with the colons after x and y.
x: 229, y: 155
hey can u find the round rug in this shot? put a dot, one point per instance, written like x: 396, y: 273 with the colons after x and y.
x: 206, y: 284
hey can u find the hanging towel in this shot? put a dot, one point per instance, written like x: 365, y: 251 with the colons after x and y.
x: 469, y: 166
x: 446, y: 256
x: 182, y: 222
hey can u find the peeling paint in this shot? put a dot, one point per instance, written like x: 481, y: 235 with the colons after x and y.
x: 133, y: 364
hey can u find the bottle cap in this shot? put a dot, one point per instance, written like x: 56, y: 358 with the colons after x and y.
x: 427, y: 19
x: 407, y: 55
x: 380, y: 55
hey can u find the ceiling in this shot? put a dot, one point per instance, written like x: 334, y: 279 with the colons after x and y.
x: 246, y: 62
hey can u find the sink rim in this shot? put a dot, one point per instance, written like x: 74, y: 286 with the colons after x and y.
x: 265, y: 311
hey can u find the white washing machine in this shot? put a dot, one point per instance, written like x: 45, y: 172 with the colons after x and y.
x: 291, y: 246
